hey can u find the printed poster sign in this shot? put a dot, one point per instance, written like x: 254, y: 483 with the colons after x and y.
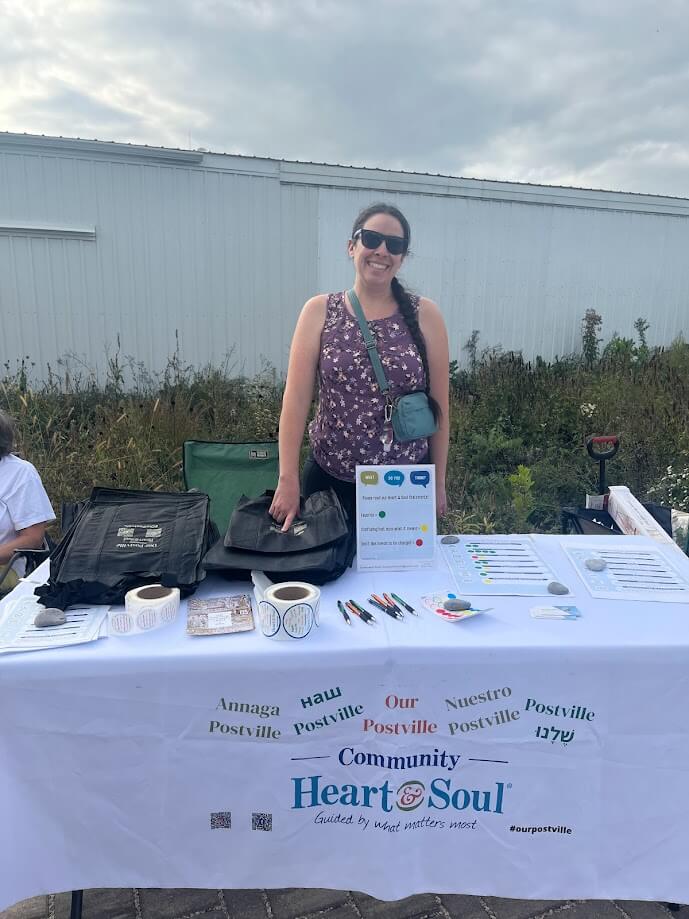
x: 395, y: 511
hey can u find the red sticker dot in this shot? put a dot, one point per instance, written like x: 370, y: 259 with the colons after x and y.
x: 419, y: 542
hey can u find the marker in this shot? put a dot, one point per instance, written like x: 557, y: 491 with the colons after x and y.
x: 340, y: 606
x: 410, y: 609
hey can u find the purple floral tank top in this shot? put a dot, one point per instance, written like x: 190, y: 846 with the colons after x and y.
x: 349, y: 423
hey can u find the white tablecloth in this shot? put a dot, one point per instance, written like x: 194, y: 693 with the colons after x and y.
x: 506, y: 755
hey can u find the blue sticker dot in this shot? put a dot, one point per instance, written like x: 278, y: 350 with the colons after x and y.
x: 452, y: 596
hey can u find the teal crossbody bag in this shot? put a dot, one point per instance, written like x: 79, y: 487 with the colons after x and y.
x: 411, y: 415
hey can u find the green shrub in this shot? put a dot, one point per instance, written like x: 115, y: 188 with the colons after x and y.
x: 507, y: 415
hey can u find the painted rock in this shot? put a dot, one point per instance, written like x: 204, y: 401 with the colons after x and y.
x: 556, y: 588
x: 449, y: 540
x: 456, y: 606
x: 595, y: 564
x: 49, y: 617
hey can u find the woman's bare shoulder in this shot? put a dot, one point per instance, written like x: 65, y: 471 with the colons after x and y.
x: 428, y: 306
x: 430, y: 318
x: 314, y: 309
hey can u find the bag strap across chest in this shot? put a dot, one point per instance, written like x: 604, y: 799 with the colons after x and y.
x: 370, y: 343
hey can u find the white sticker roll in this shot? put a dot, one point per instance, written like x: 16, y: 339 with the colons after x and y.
x: 289, y: 610
x: 145, y: 609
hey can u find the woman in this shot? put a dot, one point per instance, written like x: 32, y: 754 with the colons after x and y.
x: 24, y: 506
x: 350, y: 427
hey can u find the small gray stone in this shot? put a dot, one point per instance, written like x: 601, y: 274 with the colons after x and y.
x: 49, y: 617
x: 449, y: 540
x: 596, y: 564
x: 456, y: 606
x: 556, y: 588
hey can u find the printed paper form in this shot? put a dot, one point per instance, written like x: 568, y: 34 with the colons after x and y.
x: 498, y: 565
x: 631, y: 572
x: 18, y: 633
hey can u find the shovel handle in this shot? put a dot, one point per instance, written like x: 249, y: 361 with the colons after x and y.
x: 602, y: 446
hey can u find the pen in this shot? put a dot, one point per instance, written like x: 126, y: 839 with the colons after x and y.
x: 381, y: 606
x: 340, y: 606
x: 360, y: 611
x: 388, y: 610
x: 364, y: 618
x: 409, y: 608
x: 391, y: 603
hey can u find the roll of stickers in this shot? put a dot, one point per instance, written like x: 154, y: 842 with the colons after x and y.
x: 145, y: 609
x: 289, y: 610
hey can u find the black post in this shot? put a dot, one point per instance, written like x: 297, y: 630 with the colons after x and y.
x: 77, y: 898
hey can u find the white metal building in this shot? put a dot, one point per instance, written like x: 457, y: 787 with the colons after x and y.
x: 106, y: 241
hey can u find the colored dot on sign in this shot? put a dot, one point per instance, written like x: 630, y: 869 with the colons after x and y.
x: 452, y: 596
x: 381, y: 513
x: 419, y: 542
x: 424, y: 528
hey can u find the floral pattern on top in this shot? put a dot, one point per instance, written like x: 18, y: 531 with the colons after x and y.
x: 349, y: 425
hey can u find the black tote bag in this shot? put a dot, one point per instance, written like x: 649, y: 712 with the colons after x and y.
x: 121, y: 539
x: 318, y: 547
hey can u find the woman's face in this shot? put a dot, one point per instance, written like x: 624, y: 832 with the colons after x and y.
x: 377, y: 266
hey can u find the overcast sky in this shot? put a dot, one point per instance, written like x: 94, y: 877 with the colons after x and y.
x: 592, y: 93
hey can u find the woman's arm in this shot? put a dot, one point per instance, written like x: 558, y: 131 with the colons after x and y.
x: 432, y: 325
x: 301, y: 378
x: 28, y: 538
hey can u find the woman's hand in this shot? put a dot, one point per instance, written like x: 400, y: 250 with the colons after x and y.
x: 440, y: 500
x: 285, y: 505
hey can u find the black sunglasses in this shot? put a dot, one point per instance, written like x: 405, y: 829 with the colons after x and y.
x: 371, y: 239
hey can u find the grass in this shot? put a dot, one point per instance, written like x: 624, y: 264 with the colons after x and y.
x: 517, y: 429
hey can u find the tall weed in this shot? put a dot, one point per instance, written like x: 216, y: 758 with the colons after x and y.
x: 506, y: 414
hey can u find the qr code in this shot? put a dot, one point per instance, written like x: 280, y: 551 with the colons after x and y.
x: 221, y: 821
x: 262, y: 822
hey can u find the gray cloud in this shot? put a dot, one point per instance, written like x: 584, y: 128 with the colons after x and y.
x: 502, y: 89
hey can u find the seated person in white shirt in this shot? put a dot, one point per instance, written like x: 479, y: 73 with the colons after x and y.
x: 25, y: 508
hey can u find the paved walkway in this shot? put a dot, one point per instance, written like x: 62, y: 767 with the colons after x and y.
x: 322, y: 904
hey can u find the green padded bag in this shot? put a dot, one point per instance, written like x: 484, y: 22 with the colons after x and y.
x: 225, y: 471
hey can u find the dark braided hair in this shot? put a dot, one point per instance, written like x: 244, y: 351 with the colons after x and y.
x: 399, y: 292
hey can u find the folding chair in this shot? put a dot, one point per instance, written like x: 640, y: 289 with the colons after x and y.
x: 33, y: 558
x: 226, y: 470
x: 588, y: 522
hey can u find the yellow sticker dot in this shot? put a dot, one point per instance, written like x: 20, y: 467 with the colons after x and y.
x: 424, y: 528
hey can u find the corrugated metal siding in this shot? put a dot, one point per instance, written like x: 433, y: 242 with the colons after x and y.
x: 181, y: 254
x: 218, y: 253
x: 524, y: 275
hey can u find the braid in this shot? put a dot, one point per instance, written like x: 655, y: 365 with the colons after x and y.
x: 411, y: 318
